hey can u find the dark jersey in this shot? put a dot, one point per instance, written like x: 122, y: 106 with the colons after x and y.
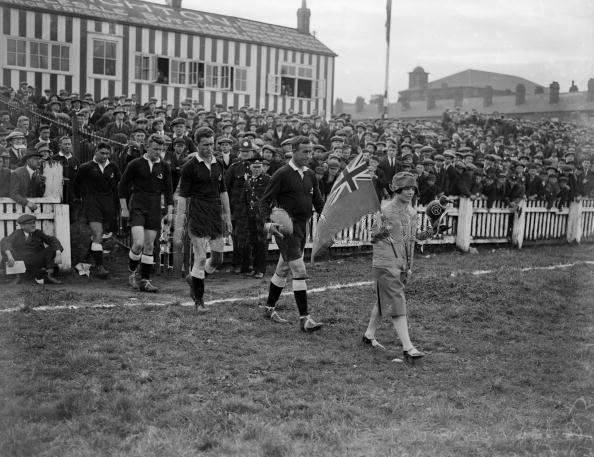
x: 139, y: 178
x: 204, y: 187
x: 296, y: 195
x: 90, y: 180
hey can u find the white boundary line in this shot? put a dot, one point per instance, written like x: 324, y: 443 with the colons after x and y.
x: 261, y: 297
x: 550, y: 267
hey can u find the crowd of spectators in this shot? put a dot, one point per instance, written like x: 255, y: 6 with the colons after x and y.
x: 472, y: 155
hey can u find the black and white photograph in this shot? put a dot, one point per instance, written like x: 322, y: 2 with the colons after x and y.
x: 296, y: 228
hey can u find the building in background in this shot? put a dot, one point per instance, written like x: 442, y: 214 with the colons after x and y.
x: 468, y: 83
x: 484, y: 92
x: 114, y: 47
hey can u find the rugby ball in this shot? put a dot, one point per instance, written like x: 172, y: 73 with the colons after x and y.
x: 281, y: 217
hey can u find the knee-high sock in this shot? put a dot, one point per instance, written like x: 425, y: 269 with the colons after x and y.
x: 300, y: 293
x: 97, y: 253
x: 134, y: 259
x: 146, y: 266
x: 198, y: 284
x: 276, y: 287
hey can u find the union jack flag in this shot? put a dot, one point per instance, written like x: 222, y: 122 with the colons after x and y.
x: 356, y: 170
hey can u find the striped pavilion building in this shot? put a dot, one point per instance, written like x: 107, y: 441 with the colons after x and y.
x: 125, y: 47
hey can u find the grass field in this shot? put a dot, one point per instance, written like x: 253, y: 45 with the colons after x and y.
x: 508, y: 370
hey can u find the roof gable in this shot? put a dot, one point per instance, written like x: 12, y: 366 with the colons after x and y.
x: 146, y: 14
x: 479, y: 78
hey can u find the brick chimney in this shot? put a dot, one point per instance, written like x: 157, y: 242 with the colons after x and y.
x: 176, y: 4
x: 303, y: 15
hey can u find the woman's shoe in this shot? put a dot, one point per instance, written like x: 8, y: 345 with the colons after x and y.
x: 373, y: 342
x: 412, y: 354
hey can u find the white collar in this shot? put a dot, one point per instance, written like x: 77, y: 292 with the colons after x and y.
x: 200, y: 159
x: 144, y: 156
x: 107, y: 162
x: 296, y: 168
x: 64, y: 155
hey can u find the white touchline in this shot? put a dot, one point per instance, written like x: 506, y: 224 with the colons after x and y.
x: 315, y: 290
x: 550, y: 267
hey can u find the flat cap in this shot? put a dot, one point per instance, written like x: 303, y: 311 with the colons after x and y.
x: 26, y: 219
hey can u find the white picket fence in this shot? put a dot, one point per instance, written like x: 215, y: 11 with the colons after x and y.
x: 470, y: 221
x: 52, y: 217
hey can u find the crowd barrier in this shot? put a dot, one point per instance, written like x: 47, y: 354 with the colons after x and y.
x: 470, y: 222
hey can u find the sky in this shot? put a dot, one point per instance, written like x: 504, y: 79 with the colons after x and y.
x: 540, y: 40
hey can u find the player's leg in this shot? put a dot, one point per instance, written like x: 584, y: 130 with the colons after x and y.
x: 277, y: 283
x: 217, y: 247
x: 147, y: 261
x: 97, y: 248
x: 196, y: 277
x: 135, y: 254
x: 98, y: 211
x: 299, y: 274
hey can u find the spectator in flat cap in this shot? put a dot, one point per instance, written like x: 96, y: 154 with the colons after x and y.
x: 27, y: 182
x: 225, y: 152
x: 41, y: 253
x: 118, y: 125
x: 179, y: 128
x: 17, y: 148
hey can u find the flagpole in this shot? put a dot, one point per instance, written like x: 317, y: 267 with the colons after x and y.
x: 388, y: 26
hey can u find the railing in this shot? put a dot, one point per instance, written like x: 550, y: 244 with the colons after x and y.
x: 83, y: 141
x: 52, y: 217
x: 470, y: 222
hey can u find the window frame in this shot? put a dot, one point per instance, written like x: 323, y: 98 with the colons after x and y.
x: 60, y: 58
x: 27, y: 55
x: 118, y: 40
x: 238, y: 71
x: 16, y: 53
x: 296, y: 72
x: 39, y: 55
x: 149, y: 68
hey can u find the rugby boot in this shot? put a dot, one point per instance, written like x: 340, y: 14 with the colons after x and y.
x: 199, y: 306
x: 145, y: 285
x: 271, y: 313
x: 191, y: 284
x: 308, y: 325
x: 132, y: 279
x: 101, y: 272
x: 49, y: 279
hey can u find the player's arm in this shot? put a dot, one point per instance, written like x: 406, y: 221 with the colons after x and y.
x: 226, y: 213
x: 168, y: 192
x: 124, y: 187
x: 79, y: 179
x: 270, y: 195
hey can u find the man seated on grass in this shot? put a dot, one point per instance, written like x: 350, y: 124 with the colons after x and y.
x: 40, y: 252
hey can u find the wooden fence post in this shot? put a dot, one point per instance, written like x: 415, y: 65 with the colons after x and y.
x: 574, y: 222
x: 519, y: 225
x: 463, y: 235
x: 62, y: 232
